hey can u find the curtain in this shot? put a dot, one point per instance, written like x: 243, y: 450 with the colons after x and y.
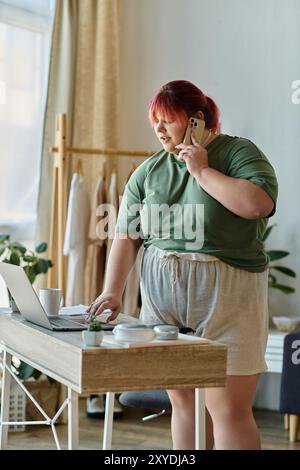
x: 84, y: 83
x: 60, y: 99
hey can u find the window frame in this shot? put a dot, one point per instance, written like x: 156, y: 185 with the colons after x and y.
x: 35, y: 22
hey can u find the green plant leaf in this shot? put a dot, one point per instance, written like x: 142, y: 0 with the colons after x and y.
x: 268, y: 231
x: 4, y: 237
x: 277, y: 254
x: 14, y: 259
x: 41, y: 248
x: 36, y: 374
x: 285, y: 289
x: 2, y: 249
x: 29, y: 270
x: 18, y: 247
x: 41, y: 266
x: 50, y: 380
x: 28, y: 258
x: 272, y: 278
x: 94, y: 324
x: 284, y: 270
x: 25, y: 371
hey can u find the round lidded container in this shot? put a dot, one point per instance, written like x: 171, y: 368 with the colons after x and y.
x: 133, y: 333
x: 166, y: 332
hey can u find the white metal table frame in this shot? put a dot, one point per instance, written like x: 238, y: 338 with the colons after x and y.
x: 73, y: 416
x: 71, y: 402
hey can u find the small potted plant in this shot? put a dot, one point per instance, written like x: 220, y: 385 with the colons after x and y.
x: 13, y: 252
x: 275, y: 255
x: 93, y: 335
x: 274, y: 268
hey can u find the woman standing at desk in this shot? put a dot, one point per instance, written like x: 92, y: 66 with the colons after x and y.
x: 204, y: 264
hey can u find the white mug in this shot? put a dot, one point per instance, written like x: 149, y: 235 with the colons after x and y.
x: 51, y: 301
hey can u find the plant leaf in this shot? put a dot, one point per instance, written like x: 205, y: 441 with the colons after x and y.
x: 285, y: 289
x: 18, y: 247
x: 268, y: 231
x: 277, y: 254
x: 50, y: 380
x: 28, y: 258
x: 15, y: 259
x: 41, y: 266
x: 29, y: 270
x: 2, y: 249
x: 41, y: 248
x: 25, y: 371
x: 284, y: 270
x: 272, y: 278
x: 36, y: 374
x: 4, y: 237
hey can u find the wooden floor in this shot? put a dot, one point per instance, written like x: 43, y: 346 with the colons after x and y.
x: 131, y: 433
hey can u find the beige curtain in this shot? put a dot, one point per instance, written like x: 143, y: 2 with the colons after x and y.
x: 97, y: 79
x: 84, y: 83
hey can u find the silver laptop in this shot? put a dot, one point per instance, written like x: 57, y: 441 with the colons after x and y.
x: 29, y: 304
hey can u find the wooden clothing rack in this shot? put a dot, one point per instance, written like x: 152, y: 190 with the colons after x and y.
x: 60, y: 197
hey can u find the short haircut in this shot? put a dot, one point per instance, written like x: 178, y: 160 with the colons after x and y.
x: 180, y: 100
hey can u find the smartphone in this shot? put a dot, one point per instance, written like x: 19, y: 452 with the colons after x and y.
x: 196, y: 125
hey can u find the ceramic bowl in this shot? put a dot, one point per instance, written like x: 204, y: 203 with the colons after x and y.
x: 286, y: 324
x: 133, y: 333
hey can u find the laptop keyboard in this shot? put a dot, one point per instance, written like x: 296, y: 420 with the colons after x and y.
x: 63, y: 322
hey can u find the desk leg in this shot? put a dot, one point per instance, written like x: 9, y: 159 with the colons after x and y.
x: 108, y: 420
x: 73, y: 420
x: 5, y: 395
x: 200, y: 431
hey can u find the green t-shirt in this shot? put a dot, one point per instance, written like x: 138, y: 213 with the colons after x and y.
x: 167, y: 207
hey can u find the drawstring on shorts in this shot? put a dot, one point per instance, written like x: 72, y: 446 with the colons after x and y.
x: 170, y: 257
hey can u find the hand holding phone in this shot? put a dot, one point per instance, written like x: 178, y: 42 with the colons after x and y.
x: 197, y: 126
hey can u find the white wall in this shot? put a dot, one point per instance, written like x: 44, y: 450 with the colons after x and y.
x: 245, y: 55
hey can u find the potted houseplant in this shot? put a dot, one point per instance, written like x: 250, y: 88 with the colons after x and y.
x: 274, y: 269
x: 275, y: 255
x: 93, y: 335
x: 14, y: 252
x: 45, y: 391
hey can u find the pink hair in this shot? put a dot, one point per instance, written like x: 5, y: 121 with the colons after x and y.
x: 180, y: 100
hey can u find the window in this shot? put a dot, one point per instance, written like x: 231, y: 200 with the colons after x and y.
x: 25, y: 39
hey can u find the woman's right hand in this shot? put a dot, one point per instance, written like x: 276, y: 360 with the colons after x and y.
x: 106, y: 300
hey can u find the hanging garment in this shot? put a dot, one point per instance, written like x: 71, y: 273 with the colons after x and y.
x: 96, y: 255
x: 75, y: 242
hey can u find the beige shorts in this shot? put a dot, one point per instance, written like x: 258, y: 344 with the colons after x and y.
x: 220, y: 302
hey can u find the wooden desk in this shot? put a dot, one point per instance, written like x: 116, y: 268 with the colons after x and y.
x: 63, y: 356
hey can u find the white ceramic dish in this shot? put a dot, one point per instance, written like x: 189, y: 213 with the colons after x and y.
x: 133, y: 333
x: 286, y: 324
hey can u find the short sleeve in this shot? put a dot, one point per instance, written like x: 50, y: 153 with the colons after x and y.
x: 128, y: 221
x: 248, y: 162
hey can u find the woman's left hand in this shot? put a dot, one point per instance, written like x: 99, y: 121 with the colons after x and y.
x: 194, y: 155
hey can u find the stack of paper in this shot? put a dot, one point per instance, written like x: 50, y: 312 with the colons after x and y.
x: 75, y: 310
